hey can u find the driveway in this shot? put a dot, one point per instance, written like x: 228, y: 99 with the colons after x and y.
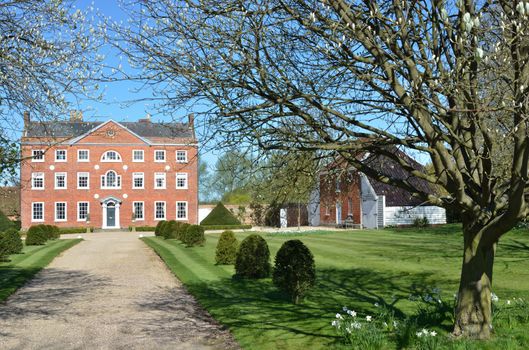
x: 108, y: 292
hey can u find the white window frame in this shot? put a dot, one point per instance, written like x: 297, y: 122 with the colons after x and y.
x: 104, y: 184
x: 142, y: 156
x: 164, y: 156
x: 33, y: 151
x: 142, y: 210
x: 187, y: 210
x: 35, y: 175
x: 65, y: 156
x: 87, y: 180
x: 164, y: 211
x: 156, y: 176
x: 105, y: 159
x: 137, y: 175
x: 65, y: 180
x: 87, y: 155
x: 182, y: 176
x: 65, y: 212
x: 185, y: 156
x: 33, y: 212
x: 79, y: 211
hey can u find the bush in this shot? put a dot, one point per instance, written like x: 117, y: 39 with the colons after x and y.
x: 17, y: 225
x: 421, y: 222
x: 67, y: 230
x: 170, y: 229
x: 182, y: 229
x: 52, y: 232
x: 144, y: 229
x: 10, y: 242
x: 36, y: 235
x: 220, y: 216
x: 194, y: 235
x: 5, y: 223
x: 226, y: 227
x: 253, y: 258
x: 226, y: 251
x: 158, y: 231
x: 294, y: 270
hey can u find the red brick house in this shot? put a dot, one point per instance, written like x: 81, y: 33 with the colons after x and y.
x: 347, y: 196
x: 105, y: 174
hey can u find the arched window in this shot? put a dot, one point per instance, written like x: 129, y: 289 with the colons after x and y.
x: 111, y: 180
x: 111, y: 156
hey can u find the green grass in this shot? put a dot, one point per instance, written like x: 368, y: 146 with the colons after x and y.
x: 354, y: 269
x: 22, y: 267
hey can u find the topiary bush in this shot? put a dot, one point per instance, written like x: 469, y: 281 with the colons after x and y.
x: 194, y: 236
x: 253, y: 258
x: 294, y: 270
x: 36, y: 236
x: 52, y: 232
x: 11, y: 241
x: 170, y: 229
x: 182, y: 229
x: 158, y: 231
x: 226, y: 251
x: 220, y: 216
x: 5, y: 223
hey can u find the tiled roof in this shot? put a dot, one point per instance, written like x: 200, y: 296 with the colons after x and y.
x: 72, y: 129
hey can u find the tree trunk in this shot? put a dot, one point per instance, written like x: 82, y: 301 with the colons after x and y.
x: 473, y: 316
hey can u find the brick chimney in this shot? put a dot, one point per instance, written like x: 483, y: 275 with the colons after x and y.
x: 147, y: 119
x: 76, y: 116
x: 27, y: 119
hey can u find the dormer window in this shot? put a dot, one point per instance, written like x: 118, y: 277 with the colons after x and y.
x: 111, y: 180
x: 111, y: 156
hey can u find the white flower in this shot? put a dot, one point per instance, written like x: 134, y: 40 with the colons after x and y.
x: 338, y: 316
x: 344, y: 308
x: 376, y: 304
x: 334, y: 323
x: 356, y: 325
x: 508, y: 302
x: 368, y: 318
x: 419, y: 334
x: 395, y: 324
x: 351, y: 313
x: 433, y: 333
x: 494, y: 297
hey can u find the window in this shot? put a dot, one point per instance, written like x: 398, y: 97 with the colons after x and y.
x: 181, y: 210
x: 82, y: 211
x: 111, y: 156
x: 37, y: 181
x: 60, y: 211
x: 60, y: 155
x: 37, y: 212
x: 137, y: 155
x: 181, y: 180
x: 83, y: 155
x: 159, y: 156
x: 137, y: 180
x: 159, y: 210
x: 138, y: 210
x: 83, y: 180
x: 111, y: 180
x: 37, y: 155
x: 60, y: 181
x: 181, y: 156
x: 159, y: 180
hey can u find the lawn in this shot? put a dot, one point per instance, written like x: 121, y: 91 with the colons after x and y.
x: 355, y: 269
x: 22, y: 267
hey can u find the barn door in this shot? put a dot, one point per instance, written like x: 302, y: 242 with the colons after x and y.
x: 369, y: 213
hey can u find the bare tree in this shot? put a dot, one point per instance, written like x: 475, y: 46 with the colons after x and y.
x: 48, y: 59
x: 444, y: 80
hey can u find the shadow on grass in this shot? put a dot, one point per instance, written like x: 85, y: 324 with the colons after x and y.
x: 250, y: 307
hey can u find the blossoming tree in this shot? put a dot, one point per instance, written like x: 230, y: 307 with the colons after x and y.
x: 447, y: 80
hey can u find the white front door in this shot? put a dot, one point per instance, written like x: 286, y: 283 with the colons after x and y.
x: 338, y: 213
x: 111, y: 215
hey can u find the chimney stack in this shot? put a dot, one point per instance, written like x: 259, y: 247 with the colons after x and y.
x: 147, y: 119
x: 191, y: 120
x: 76, y: 116
x: 27, y: 119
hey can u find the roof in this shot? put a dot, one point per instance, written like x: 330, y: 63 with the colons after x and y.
x: 10, y: 200
x: 72, y: 129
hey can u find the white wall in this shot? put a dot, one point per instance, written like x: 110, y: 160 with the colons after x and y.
x: 406, y: 215
x: 203, y: 212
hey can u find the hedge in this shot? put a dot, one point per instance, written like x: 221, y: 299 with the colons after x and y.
x: 66, y: 230
x: 36, y: 235
x: 158, y: 230
x: 226, y: 227
x: 5, y: 223
x: 10, y: 242
x: 220, y: 216
x: 144, y: 228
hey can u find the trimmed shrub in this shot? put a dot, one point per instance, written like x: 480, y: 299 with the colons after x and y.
x: 220, y: 216
x: 170, y: 229
x: 226, y: 227
x: 294, y: 270
x: 158, y: 231
x: 51, y: 231
x: 144, y: 229
x: 36, y: 236
x: 11, y: 241
x: 226, y: 251
x: 5, y: 223
x: 66, y: 230
x: 194, y: 236
x: 253, y: 258
x: 182, y: 229
x: 17, y: 225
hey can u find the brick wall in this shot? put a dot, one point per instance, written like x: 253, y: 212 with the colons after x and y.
x: 346, y: 192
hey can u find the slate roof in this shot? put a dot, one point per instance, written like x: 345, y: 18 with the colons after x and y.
x: 71, y: 129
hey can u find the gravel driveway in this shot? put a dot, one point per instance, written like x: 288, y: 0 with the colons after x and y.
x: 107, y: 292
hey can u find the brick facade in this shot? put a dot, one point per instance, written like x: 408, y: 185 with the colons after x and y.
x: 340, y: 191
x: 110, y: 206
